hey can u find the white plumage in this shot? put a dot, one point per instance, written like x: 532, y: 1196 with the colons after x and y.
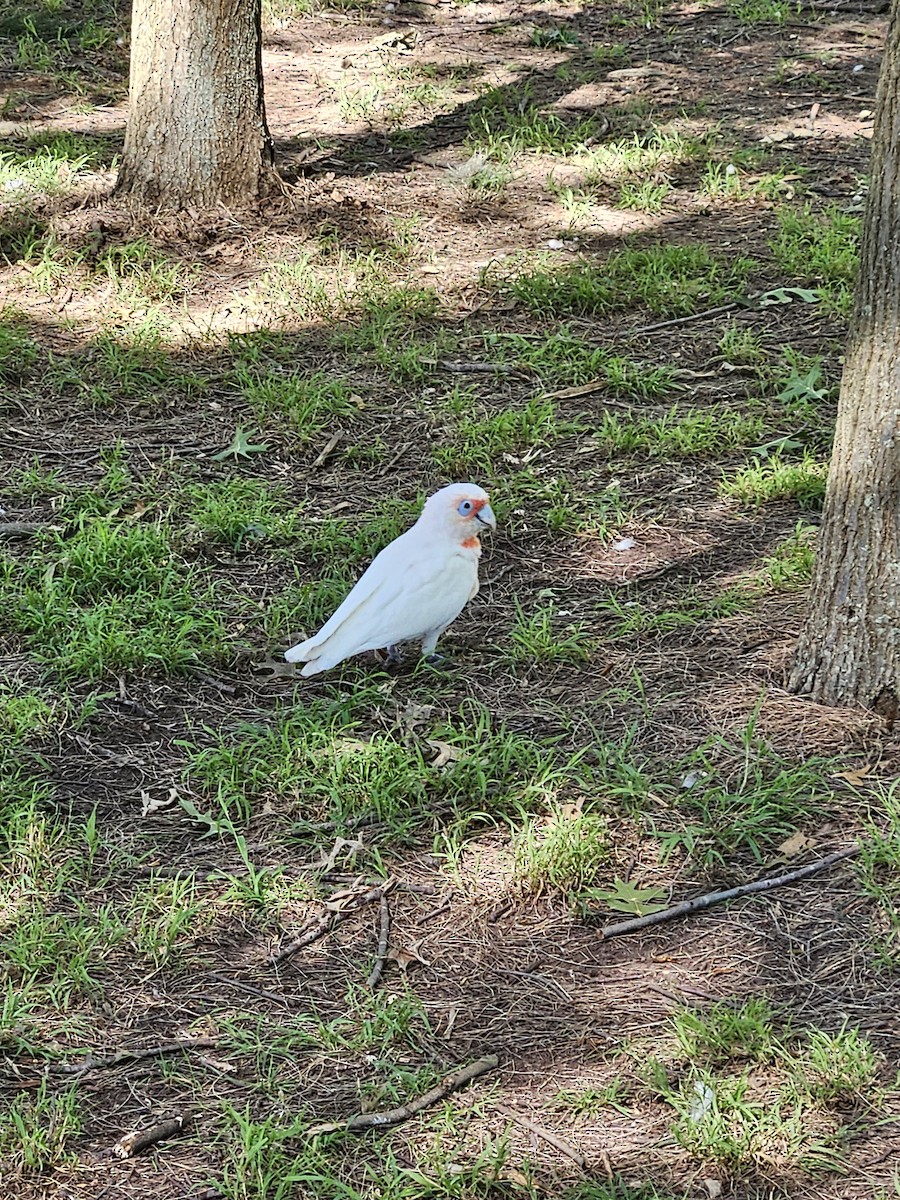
x: 413, y: 589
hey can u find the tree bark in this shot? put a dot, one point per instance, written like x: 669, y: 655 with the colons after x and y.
x: 849, y: 648
x: 197, y: 133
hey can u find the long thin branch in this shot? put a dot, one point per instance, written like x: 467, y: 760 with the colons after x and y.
x: 698, y: 316
x: 552, y: 1139
x: 121, y: 1056
x: 381, y: 1120
x: 746, y: 889
x: 378, y: 968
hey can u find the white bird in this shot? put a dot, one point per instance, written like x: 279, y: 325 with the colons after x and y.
x: 413, y: 589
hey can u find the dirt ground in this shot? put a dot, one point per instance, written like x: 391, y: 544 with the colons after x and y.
x: 372, y: 113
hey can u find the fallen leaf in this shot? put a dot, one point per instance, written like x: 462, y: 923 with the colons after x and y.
x: 445, y: 753
x: 404, y: 956
x: 150, y: 805
x: 241, y: 447
x: 341, y: 845
x: 796, y: 844
x: 216, y: 1064
x: 854, y: 778
x: 625, y: 897
x: 713, y: 1188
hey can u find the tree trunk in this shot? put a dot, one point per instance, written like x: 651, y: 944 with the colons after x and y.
x: 849, y: 649
x: 197, y: 133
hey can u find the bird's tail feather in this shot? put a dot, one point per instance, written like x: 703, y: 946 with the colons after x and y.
x: 303, y: 652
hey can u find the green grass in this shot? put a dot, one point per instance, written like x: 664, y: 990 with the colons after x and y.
x: 645, y: 157
x: 743, y: 800
x: 507, y: 124
x: 111, y: 596
x: 19, y: 351
x: 562, y: 358
x: 475, y: 444
x: 750, y: 1097
x: 669, y: 279
x: 307, y: 406
x: 741, y: 346
x: 319, y: 762
x: 770, y: 479
x: 37, y: 1130
x: 563, y: 852
x: 791, y: 565
x: 240, y: 511
x: 540, y: 636
x: 680, y: 433
x: 764, y: 12
x: 879, y: 874
x: 819, y: 248
x: 724, y: 1032
x: 567, y: 506
x: 630, y: 618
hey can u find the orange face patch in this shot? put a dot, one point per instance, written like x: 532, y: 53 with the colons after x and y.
x: 477, y: 506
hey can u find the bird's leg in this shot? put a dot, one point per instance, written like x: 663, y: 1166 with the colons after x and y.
x: 429, y: 642
x: 393, y: 658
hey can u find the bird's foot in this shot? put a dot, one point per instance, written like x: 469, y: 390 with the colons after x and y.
x: 435, y: 660
x: 393, y: 657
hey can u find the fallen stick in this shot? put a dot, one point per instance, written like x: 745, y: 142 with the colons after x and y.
x: 133, y: 1143
x: 700, y: 316
x: 327, y: 921
x: 378, y: 969
x: 24, y: 529
x: 239, y: 986
x: 121, y: 1056
x: 548, y: 1135
x: 381, y: 1120
x: 746, y: 889
x: 311, y: 934
x: 332, y: 443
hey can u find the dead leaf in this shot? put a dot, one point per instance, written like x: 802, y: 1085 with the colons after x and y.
x: 138, y: 511
x: 341, y: 845
x: 855, y: 777
x: 216, y: 1064
x: 713, y: 1188
x: 796, y: 844
x: 150, y: 804
x: 445, y: 754
x: 404, y: 956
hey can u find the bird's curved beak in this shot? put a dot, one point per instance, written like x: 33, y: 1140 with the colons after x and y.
x: 486, y: 516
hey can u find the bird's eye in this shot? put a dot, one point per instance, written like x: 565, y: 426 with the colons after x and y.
x: 465, y: 508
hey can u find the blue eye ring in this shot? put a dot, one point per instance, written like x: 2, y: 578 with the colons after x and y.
x: 465, y: 508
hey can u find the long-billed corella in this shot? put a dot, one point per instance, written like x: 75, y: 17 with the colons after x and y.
x: 413, y: 589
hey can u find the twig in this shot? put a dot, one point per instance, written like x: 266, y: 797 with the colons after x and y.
x: 472, y: 368
x: 544, y: 980
x: 311, y: 934
x: 23, y: 529
x: 378, y: 969
x: 133, y: 1143
x: 248, y: 988
x: 332, y: 442
x: 392, y: 462
x: 746, y: 889
x: 700, y: 316
x: 381, y: 1120
x: 121, y: 1056
x: 435, y: 912
x: 553, y: 1139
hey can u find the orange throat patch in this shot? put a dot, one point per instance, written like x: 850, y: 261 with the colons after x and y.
x: 471, y: 543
